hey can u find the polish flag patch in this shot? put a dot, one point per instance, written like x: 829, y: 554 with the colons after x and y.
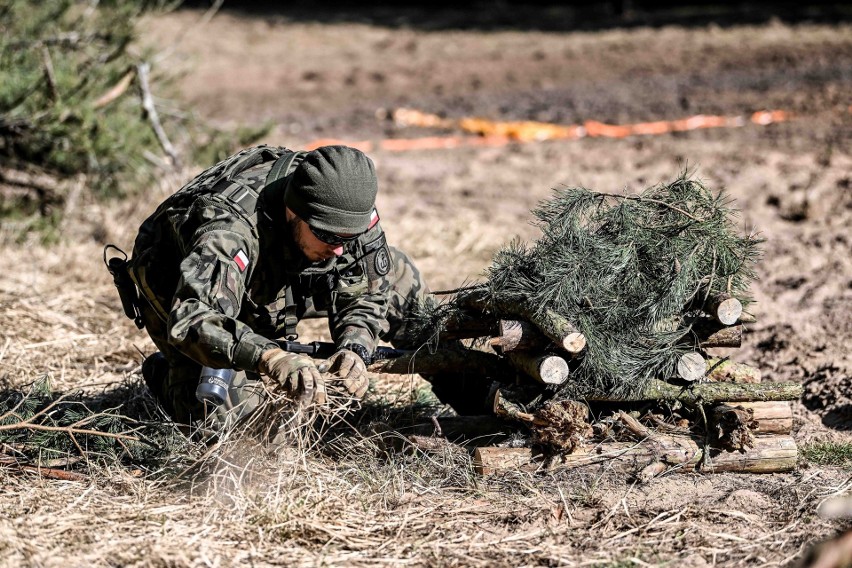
x: 242, y: 260
x: 374, y: 218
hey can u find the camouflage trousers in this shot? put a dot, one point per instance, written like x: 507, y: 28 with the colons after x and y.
x: 173, y: 377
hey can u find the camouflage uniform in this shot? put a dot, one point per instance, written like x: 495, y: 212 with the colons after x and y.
x: 216, y: 264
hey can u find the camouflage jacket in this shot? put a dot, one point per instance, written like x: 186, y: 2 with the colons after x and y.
x: 217, y: 262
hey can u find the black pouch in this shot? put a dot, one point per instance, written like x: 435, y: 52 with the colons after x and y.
x: 117, y: 267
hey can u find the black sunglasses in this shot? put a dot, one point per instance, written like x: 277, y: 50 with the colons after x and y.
x: 330, y: 238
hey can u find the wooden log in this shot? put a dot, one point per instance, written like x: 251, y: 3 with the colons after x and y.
x: 691, y: 366
x: 545, y: 369
x: 560, y: 330
x: 727, y: 371
x: 553, y: 325
x: 731, y: 426
x: 458, y: 361
x: 771, y: 417
x: 710, y: 335
x: 706, y: 393
x: 769, y: 454
x: 725, y: 308
x: 517, y: 335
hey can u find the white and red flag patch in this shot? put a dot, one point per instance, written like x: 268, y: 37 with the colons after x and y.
x: 242, y: 260
x: 374, y: 218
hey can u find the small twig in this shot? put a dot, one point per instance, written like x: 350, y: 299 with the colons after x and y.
x: 66, y: 429
x: 49, y: 73
x: 151, y: 111
x: 116, y: 91
x: 438, y: 431
x: 651, y: 200
x: 51, y: 473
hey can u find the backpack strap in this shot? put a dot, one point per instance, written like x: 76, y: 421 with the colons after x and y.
x: 282, y: 167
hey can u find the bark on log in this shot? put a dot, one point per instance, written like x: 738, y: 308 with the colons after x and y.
x: 560, y: 330
x: 732, y: 372
x: 747, y: 318
x: 545, y: 369
x: 706, y: 393
x: 459, y: 361
x: 772, y: 417
x: 517, y: 335
x: 691, y: 366
x: 769, y: 454
x: 731, y: 426
x: 725, y: 308
x: 553, y: 325
x: 717, y: 335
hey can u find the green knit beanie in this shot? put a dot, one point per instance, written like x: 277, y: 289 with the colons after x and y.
x: 334, y: 189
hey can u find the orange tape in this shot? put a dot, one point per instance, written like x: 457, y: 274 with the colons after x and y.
x: 491, y: 133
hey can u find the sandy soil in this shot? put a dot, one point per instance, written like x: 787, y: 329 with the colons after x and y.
x: 451, y: 209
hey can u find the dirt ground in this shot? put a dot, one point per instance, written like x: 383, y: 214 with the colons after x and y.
x: 451, y: 209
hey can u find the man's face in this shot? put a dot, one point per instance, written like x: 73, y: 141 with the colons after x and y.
x: 314, y: 249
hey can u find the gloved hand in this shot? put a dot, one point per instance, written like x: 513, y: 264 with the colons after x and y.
x: 350, y: 367
x: 296, y: 373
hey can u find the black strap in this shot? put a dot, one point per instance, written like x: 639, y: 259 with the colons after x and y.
x: 291, y: 319
x: 281, y: 167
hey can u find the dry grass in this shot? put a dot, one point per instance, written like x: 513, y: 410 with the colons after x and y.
x: 342, y: 498
x: 347, y: 498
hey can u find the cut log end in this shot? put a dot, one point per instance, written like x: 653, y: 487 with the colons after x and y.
x: 691, y: 367
x: 726, y: 309
x: 547, y: 369
x: 574, y: 343
x: 553, y: 370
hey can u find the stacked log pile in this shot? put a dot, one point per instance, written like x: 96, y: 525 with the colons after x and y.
x: 607, y: 360
x: 715, y: 415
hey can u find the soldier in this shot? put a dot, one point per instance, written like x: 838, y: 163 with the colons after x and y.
x: 249, y: 247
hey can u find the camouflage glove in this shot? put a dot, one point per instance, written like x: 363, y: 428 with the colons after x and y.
x: 350, y: 367
x: 296, y: 373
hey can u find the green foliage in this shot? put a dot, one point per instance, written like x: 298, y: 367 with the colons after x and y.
x: 624, y: 270
x: 829, y: 453
x: 58, y: 59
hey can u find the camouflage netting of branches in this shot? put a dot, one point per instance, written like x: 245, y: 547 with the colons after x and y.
x: 625, y: 270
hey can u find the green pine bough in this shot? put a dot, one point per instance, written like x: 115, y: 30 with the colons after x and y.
x: 639, y: 277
